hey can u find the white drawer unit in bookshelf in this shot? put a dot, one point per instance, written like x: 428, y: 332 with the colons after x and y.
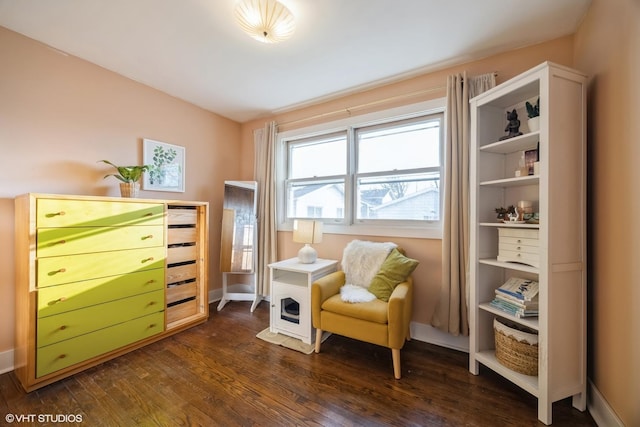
x: 519, y: 245
x: 291, y: 295
x: 552, y: 251
x: 91, y: 280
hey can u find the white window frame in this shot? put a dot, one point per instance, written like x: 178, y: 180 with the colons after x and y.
x: 426, y: 229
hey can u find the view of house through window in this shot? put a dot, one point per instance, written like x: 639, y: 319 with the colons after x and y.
x: 317, y: 175
x: 398, y: 170
x: 382, y: 173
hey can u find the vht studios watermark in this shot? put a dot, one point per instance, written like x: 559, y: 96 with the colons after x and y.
x: 43, y: 418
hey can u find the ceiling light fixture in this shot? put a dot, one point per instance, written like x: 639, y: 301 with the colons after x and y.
x: 268, y: 21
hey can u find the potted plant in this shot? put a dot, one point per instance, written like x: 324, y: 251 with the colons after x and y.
x: 129, y: 175
x: 533, y: 112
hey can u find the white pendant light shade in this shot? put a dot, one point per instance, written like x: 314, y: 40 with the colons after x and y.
x: 268, y: 21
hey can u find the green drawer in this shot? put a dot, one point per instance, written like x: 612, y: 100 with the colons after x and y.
x: 62, y: 298
x: 80, y: 240
x: 73, y: 268
x: 71, y: 324
x: 66, y: 353
x: 88, y: 213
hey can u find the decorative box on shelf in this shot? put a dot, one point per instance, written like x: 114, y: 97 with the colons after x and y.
x: 519, y: 245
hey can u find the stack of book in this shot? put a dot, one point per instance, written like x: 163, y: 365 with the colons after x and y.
x: 518, y: 297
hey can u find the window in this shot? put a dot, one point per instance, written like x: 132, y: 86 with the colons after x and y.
x: 316, y: 177
x: 397, y: 173
x: 381, y: 176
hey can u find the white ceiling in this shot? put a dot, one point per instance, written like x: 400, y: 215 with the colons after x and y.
x: 193, y: 50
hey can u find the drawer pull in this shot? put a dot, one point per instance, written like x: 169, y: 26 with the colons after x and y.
x: 63, y: 327
x: 151, y: 281
x: 147, y: 259
x: 518, y: 248
x: 152, y: 303
x: 50, y: 215
x: 61, y: 270
x: 150, y: 236
x: 55, y: 301
x: 148, y: 214
x: 153, y: 325
x: 60, y: 242
x: 62, y: 356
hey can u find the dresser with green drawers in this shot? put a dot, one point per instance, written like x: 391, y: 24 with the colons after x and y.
x: 97, y: 277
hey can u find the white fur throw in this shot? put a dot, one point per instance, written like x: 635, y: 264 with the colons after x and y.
x: 361, y: 261
x: 352, y: 293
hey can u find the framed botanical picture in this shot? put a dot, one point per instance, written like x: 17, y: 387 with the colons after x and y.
x: 166, y: 166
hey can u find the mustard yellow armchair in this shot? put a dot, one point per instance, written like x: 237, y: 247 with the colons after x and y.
x: 376, y: 322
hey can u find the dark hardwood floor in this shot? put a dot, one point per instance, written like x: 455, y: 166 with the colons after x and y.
x: 218, y: 373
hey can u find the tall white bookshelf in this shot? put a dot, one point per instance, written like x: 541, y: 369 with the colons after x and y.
x: 558, y: 192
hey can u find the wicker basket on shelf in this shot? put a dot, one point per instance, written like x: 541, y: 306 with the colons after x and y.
x: 515, y: 349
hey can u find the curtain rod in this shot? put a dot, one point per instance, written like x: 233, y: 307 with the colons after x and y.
x: 349, y: 110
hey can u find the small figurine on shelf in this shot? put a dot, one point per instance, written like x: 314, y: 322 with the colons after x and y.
x: 513, y: 125
x: 504, y: 214
x: 515, y: 216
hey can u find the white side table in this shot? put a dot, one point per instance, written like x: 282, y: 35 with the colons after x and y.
x: 291, y: 295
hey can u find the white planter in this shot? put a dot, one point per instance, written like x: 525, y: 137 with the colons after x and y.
x: 534, y: 124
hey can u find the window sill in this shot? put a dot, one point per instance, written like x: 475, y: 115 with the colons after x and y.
x: 434, y: 232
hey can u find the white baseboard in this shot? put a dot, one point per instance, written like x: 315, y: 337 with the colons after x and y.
x: 431, y: 335
x: 215, y: 295
x: 600, y: 410
x: 6, y: 361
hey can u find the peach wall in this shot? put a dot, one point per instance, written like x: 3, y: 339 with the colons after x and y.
x: 607, y: 47
x: 60, y: 114
x: 428, y: 251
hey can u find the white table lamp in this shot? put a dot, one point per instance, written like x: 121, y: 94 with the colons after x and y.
x: 307, y: 232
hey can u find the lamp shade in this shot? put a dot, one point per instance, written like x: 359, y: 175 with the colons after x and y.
x: 268, y: 21
x: 307, y: 231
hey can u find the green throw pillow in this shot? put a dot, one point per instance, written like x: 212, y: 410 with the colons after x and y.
x: 393, y: 271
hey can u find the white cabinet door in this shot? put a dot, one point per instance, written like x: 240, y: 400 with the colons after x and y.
x: 290, y: 311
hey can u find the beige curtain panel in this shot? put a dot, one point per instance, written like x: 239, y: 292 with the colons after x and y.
x: 452, y: 313
x: 264, y: 174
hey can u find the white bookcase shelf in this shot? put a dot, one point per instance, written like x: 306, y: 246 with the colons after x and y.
x: 527, y: 382
x: 528, y: 141
x: 507, y: 225
x: 558, y: 193
x: 508, y: 265
x: 531, y: 322
x: 511, y: 182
